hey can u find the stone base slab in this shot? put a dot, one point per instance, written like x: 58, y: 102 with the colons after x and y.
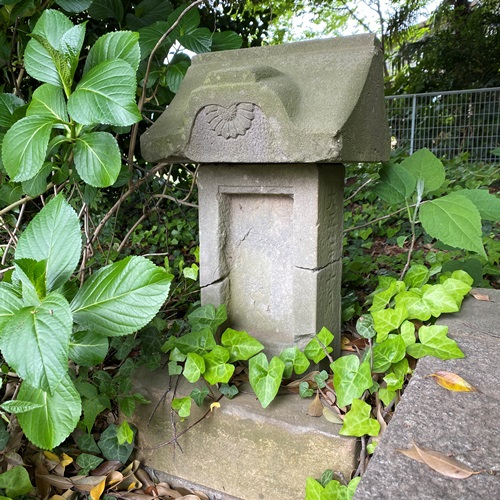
x: 240, y: 449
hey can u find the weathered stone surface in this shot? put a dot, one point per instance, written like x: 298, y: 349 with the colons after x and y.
x: 462, y: 424
x: 241, y: 450
x: 307, y: 102
x: 270, y: 249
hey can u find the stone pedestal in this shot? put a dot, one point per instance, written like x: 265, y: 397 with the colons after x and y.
x: 270, y: 249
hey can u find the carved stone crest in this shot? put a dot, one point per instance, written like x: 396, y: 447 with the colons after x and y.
x: 230, y: 122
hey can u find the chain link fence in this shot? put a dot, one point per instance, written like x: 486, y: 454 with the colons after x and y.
x: 447, y: 123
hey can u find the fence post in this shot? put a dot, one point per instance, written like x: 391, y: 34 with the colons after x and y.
x: 413, y: 119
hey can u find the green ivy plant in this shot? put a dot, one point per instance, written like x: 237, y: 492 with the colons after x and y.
x: 47, y: 320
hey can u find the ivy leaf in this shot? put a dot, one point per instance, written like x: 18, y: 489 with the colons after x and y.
x: 48, y: 425
x: 455, y: 221
x: 207, y: 316
x: 43, y: 332
x: 24, y: 147
x: 182, y: 406
x: 88, y: 348
x: 487, y: 203
x: 417, y: 276
x: 199, y: 342
x: 388, y: 320
x: 117, y: 45
x: 226, y: 40
x: 295, y: 361
x: 316, y: 347
x: 382, y: 298
x: 426, y: 166
x: 357, y: 421
x: 439, y: 300
x: 457, y: 289
x: 8, y: 104
x: 111, y: 448
x: 16, y: 481
x: 240, y: 344
x: 92, y: 408
x: 265, y: 377
x: 390, y: 351
x: 416, y: 306
x: 199, y: 395
x: 365, y: 327
x: 53, y: 235
x: 350, y: 379
x: 106, y: 95
x: 194, y: 367
x: 88, y: 462
x: 216, y: 368
x: 121, y: 298
x: 97, y: 158
x: 396, y: 184
x: 124, y: 433
x: 434, y: 342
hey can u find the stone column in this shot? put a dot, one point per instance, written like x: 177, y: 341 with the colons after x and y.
x: 271, y: 127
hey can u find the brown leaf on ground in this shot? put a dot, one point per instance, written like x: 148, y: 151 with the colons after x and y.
x: 480, y: 296
x: 332, y: 416
x: 452, y: 382
x: 308, y: 377
x: 316, y: 407
x: 441, y: 463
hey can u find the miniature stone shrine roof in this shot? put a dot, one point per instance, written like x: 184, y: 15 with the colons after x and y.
x: 305, y: 102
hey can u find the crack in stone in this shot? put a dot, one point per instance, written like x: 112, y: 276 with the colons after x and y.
x: 216, y: 282
x: 317, y: 269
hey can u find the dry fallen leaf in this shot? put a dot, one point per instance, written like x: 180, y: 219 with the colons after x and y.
x: 316, y: 407
x: 332, y: 417
x: 214, y: 405
x: 444, y: 465
x: 452, y: 382
x: 480, y: 296
x: 98, y: 490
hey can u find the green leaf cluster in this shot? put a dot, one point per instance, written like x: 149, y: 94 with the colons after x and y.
x: 43, y: 325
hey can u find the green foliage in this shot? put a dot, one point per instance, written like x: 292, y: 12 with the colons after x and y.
x: 16, y: 481
x: 111, y: 448
x: 332, y: 490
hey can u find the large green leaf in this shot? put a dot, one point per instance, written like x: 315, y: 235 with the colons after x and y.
x: 104, y: 9
x: 358, y: 422
x: 226, y: 40
x: 207, y: 316
x: 488, y: 204
x: 217, y: 368
x: 396, y: 184
x: 8, y: 104
x: 175, y: 74
x: 265, y: 378
x: 10, y: 302
x: 121, y: 298
x: 70, y: 46
x: 151, y: 34
x: 35, y: 342
x: 111, y: 448
x: 97, y: 158
x: 48, y: 102
x: 74, y: 5
x: 455, y: 221
x: 434, y: 342
x: 425, y: 166
x: 53, y: 235
x: 194, y: 367
x: 392, y: 350
x: 198, y: 40
x: 117, y: 45
x: 317, y: 348
x: 106, y: 95
x: 240, y: 344
x: 52, y: 26
x: 38, y: 185
x: 49, y: 425
x: 39, y: 64
x: 350, y: 378
x: 149, y: 11
x: 199, y: 342
x: 16, y: 481
x: 387, y: 320
x: 88, y: 348
x: 25, y: 146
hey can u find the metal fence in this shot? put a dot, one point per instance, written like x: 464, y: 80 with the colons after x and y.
x: 447, y: 123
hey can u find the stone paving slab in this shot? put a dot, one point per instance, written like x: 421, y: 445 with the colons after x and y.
x: 464, y: 424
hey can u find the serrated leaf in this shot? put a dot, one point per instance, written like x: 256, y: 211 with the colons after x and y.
x: 43, y: 332
x: 198, y: 40
x: 39, y: 64
x: 350, y: 378
x: 488, y: 204
x: 10, y: 302
x: 104, y: 9
x: 182, y: 406
x: 319, y: 345
x: 240, y: 344
x: 37, y: 185
x: 106, y: 95
x: 226, y: 40
x: 49, y: 425
x: 434, y: 342
x: 392, y: 350
x: 295, y: 361
x: 265, y: 377
x: 111, y: 448
x: 217, y: 370
x: 16, y: 481
x: 97, y: 158
x: 396, y: 184
x: 117, y: 45
x: 24, y: 147
x: 207, y: 316
x: 8, y: 104
x: 88, y: 348
x: 74, y: 5
x: 426, y: 166
x: 151, y: 34
x: 121, y: 298
x: 17, y: 406
x: 357, y: 421
x: 194, y: 367
x: 53, y: 235
x: 455, y: 221
x: 175, y: 74
x: 149, y: 11
x: 70, y: 46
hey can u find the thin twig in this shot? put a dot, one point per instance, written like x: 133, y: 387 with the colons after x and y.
x: 358, y: 190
